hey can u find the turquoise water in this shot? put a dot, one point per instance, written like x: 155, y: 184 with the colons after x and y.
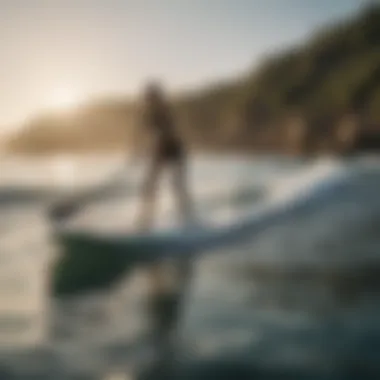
x: 299, y: 301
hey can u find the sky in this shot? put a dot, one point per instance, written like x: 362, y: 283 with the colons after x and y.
x: 55, y: 53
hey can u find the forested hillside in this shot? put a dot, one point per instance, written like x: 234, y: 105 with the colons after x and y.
x: 321, y: 95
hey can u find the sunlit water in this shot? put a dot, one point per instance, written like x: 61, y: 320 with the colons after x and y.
x: 301, y: 298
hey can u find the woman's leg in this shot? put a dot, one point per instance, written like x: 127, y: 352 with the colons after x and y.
x: 149, y: 195
x: 181, y: 189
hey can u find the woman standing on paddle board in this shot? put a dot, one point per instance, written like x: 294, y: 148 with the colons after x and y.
x: 166, y: 151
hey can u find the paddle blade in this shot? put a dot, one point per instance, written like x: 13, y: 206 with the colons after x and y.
x: 87, y: 265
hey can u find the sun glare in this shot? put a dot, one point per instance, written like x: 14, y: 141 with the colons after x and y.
x: 63, y: 99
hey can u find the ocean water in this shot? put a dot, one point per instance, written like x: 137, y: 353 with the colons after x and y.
x: 300, y: 300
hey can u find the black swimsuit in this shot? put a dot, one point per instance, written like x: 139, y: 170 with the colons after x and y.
x: 167, y: 145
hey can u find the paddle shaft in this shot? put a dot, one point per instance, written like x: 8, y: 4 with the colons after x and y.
x: 63, y: 209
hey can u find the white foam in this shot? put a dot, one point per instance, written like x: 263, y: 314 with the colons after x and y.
x: 306, y: 179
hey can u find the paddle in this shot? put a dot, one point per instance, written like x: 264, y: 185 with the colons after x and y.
x: 62, y: 209
x: 82, y: 269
